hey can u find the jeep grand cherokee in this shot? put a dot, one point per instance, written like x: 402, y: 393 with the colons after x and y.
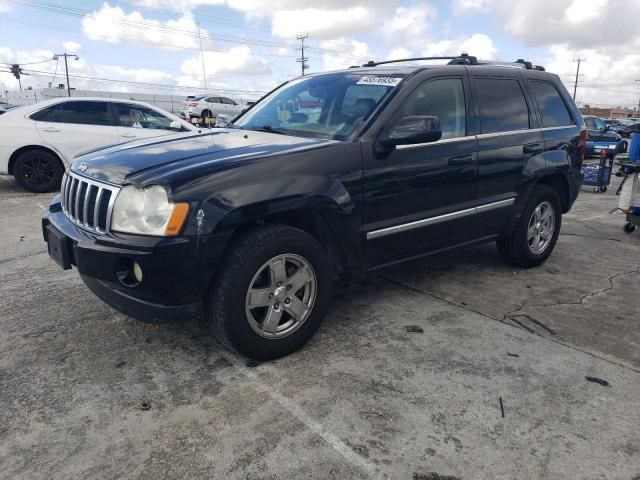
x: 327, y: 178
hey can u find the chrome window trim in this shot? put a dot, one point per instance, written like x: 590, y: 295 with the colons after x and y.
x: 504, y: 134
x: 560, y: 128
x: 439, y: 142
x: 439, y: 219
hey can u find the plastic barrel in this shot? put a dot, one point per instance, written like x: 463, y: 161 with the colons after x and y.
x: 634, y: 148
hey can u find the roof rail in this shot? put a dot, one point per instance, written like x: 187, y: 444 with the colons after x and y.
x: 462, y: 59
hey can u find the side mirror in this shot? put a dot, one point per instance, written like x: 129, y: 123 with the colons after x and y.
x: 413, y: 129
x: 176, y: 125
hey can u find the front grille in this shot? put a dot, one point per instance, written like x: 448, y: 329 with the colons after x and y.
x: 87, y: 203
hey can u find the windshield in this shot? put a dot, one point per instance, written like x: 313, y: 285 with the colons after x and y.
x: 328, y: 106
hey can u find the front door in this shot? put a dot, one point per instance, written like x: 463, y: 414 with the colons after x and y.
x: 418, y: 198
x: 136, y: 122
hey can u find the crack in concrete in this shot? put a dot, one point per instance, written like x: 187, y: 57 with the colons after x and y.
x: 590, y: 236
x: 2, y: 262
x: 505, y: 322
x: 579, y: 302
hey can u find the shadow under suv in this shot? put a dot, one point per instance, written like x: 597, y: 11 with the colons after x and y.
x: 327, y: 178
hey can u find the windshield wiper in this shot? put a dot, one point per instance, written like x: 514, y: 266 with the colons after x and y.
x: 270, y: 129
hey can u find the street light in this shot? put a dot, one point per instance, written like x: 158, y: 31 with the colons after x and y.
x: 66, y: 67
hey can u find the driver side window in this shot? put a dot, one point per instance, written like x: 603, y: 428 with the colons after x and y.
x: 443, y: 98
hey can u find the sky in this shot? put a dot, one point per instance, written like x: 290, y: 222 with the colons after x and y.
x: 250, y: 46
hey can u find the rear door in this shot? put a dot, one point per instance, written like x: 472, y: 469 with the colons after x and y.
x: 137, y: 121
x: 78, y: 126
x: 508, y: 138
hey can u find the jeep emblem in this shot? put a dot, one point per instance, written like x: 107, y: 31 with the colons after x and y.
x: 82, y: 167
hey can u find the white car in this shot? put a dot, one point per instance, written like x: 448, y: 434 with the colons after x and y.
x: 209, y: 107
x: 38, y: 141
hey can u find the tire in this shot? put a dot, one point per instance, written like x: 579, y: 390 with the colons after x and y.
x: 203, y: 117
x: 517, y: 248
x: 38, y: 171
x: 255, y: 263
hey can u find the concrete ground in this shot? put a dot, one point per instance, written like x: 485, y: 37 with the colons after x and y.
x: 404, y: 380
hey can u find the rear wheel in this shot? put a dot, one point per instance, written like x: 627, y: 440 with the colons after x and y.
x: 536, y: 232
x: 272, y: 294
x: 38, y: 171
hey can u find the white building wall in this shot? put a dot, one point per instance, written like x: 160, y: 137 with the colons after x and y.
x: 170, y: 103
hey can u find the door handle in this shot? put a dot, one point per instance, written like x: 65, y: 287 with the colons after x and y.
x: 459, y: 160
x: 533, y: 148
x: 128, y: 135
x: 51, y: 130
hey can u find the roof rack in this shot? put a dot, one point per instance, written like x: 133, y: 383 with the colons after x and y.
x: 462, y: 59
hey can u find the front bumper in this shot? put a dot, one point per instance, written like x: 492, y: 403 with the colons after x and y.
x: 176, y: 272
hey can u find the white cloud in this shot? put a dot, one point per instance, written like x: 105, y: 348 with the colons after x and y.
x: 322, y: 24
x: 350, y: 48
x: 113, y: 25
x: 5, y: 6
x: 477, y: 44
x: 71, y: 46
x: 238, y: 61
x: 398, y: 53
x: 606, y: 79
x: 409, y: 24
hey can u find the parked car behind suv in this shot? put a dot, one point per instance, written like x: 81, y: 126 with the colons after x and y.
x: 38, y: 141
x: 209, y: 107
x: 253, y: 225
x: 601, y: 137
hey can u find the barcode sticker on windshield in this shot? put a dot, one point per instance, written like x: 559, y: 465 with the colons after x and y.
x: 378, y: 80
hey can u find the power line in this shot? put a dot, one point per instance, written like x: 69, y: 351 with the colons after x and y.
x: 82, y: 13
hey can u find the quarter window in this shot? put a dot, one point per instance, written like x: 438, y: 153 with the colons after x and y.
x: 49, y: 114
x: 503, y: 107
x: 443, y: 98
x: 553, y: 110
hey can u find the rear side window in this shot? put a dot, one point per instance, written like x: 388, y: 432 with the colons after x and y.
x: 86, y: 113
x: 503, y: 107
x: 552, y: 107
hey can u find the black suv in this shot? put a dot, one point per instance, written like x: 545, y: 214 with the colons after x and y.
x: 325, y: 179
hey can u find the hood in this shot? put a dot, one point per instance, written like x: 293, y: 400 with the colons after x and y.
x: 162, y: 160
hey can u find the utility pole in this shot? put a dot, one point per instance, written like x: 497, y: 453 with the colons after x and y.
x: 638, y: 80
x: 204, y: 73
x: 303, y: 60
x: 66, y: 66
x: 575, y: 85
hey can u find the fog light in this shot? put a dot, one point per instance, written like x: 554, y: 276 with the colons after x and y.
x: 137, y: 272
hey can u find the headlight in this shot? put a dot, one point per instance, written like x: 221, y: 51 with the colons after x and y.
x: 147, y: 212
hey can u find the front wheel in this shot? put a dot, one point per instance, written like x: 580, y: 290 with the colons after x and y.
x: 536, y: 231
x: 272, y: 294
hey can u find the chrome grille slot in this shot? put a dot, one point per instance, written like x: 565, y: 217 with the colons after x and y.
x: 86, y: 202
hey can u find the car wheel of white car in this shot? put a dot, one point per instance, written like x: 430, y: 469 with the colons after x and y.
x: 38, y: 171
